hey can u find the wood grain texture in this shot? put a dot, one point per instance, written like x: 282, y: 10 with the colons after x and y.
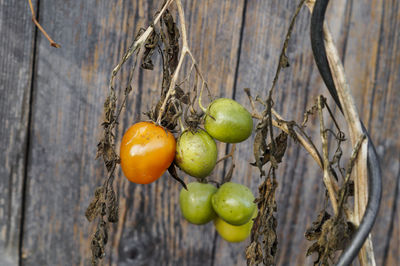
x: 355, y: 27
x: 68, y: 91
x: 69, y: 87
x: 265, y: 27
x: 16, y: 53
x: 373, y: 45
x: 237, y: 44
x: 151, y: 230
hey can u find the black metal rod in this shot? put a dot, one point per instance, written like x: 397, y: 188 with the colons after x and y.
x: 374, y: 177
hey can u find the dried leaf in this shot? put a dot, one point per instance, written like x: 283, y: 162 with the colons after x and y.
x: 259, y: 147
x: 333, y: 235
x: 281, y: 145
x: 112, y: 206
x: 313, y: 232
x: 264, y: 226
x: 150, y: 46
x: 254, y: 254
x: 99, y: 240
x: 267, y: 156
x: 172, y: 45
x: 313, y: 248
x: 181, y: 95
x: 268, y: 221
x: 172, y: 171
x: 103, y: 231
x: 93, y: 209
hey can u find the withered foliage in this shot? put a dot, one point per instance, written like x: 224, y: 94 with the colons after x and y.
x: 330, y: 235
x: 330, y: 232
x: 99, y: 241
x: 314, y: 231
x: 170, y: 36
x: 264, y: 153
x: 164, y: 40
x: 150, y: 46
x: 174, y: 174
x: 103, y: 206
x: 264, y: 241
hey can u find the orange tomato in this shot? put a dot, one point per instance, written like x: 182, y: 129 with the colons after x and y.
x: 147, y: 150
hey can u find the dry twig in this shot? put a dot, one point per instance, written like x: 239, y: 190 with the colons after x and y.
x: 52, y: 43
x: 328, y: 179
x: 366, y: 255
x: 185, y: 51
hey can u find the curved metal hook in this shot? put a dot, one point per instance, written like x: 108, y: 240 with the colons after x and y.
x: 374, y: 177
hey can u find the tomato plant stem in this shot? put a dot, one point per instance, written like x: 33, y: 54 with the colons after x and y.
x: 326, y: 165
x: 200, y: 96
x: 185, y: 51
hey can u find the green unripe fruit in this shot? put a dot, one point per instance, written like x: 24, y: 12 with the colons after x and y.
x: 195, y: 203
x: 228, y: 121
x: 234, y: 203
x: 233, y: 233
x: 196, y: 153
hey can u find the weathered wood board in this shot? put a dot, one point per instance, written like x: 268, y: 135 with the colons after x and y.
x: 52, y: 104
x: 17, y: 44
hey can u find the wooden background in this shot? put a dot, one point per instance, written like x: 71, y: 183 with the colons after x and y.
x: 51, y: 104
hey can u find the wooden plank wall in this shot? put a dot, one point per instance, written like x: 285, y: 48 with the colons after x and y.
x: 16, y: 67
x: 51, y: 110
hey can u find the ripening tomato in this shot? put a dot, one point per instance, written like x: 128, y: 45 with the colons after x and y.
x: 147, y: 150
x: 195, y: 203
x: 196, y: 153
x: 234, y: 203
x: 233, y: 233
x: 228, y: 121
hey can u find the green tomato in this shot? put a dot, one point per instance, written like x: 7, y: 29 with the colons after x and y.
x: 233, y: 233
x: 196, y: 153
x: 234, y: 203
x: 228, y: 121
x: 195, y: 203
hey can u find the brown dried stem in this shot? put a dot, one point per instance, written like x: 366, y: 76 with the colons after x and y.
x: 106, y: 203
x: 279, y: 123
x: 360, y: 173
x: 230, y: 154
x: 283, y: 125
x: 349, y: 170
x: 328, y: 179
x: 283, y: 62
x: 137, y: 44
x: 353, y: 121
x: 52, y: 43
x: 185, y: 51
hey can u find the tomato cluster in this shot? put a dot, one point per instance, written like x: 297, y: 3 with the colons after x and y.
x: 147, y: 150
x: 231, y: 207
